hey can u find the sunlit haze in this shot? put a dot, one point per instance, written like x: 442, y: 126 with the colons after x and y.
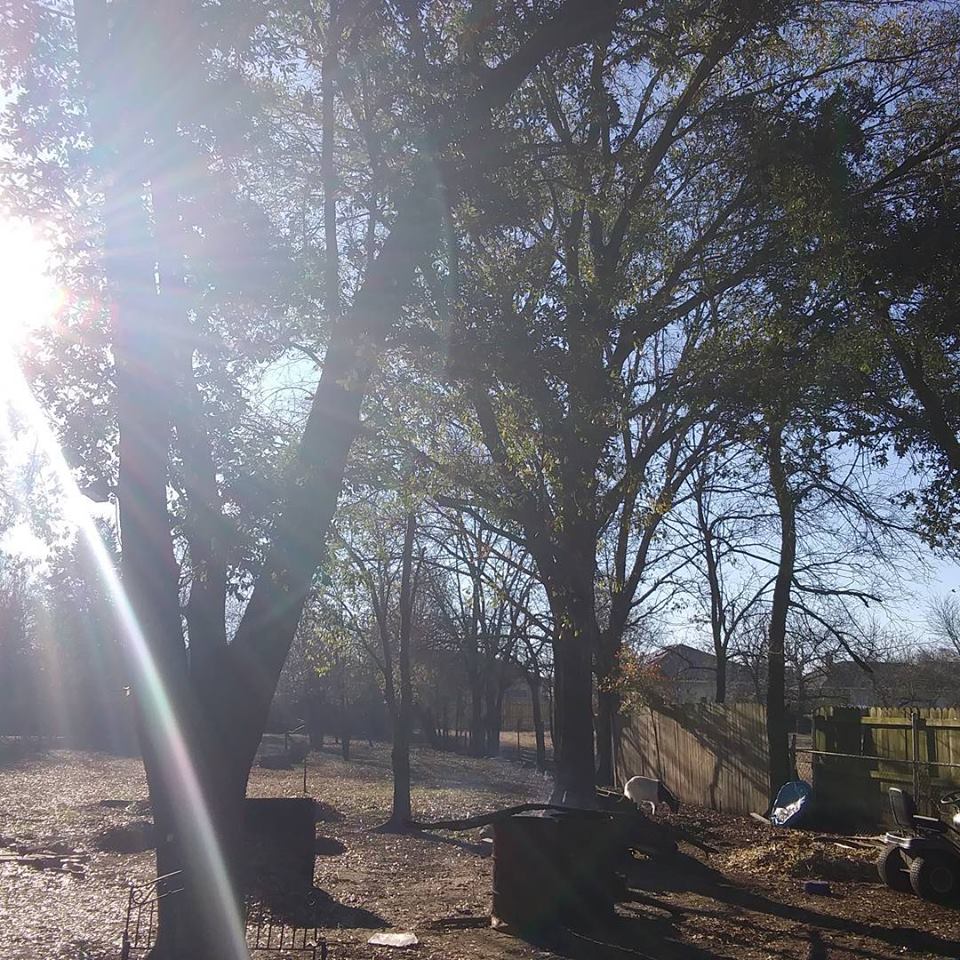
x: 32, y: 300
x: 31, y: 296
x: 433, y: 431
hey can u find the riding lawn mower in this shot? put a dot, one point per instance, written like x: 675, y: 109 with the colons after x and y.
x: 923, y: 854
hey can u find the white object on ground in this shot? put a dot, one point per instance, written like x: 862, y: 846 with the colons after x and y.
x: 393, y: 940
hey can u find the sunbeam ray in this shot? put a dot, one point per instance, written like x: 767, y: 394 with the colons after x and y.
x: 177, y: 769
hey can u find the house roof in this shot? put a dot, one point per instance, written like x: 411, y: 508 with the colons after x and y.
x: 690, y: 663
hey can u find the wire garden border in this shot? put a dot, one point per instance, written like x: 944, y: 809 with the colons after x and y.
x: 263, y: 932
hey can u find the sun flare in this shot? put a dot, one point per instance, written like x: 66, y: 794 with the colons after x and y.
x: 30, y: 296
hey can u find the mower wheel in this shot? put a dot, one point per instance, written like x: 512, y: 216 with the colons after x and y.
x: 893, y: 868
x: 934, y: 876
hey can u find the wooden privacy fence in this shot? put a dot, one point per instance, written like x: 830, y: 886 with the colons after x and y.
x: 859, y: 753
x: 715, y: 755
x: 709, y: 754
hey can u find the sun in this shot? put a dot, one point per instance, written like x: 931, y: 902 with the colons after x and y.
x: 29, y: 296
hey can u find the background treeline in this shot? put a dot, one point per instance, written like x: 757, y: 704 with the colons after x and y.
x: 598, y: 324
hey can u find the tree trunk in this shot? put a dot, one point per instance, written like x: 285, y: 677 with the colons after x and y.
x: 328, y: 169
x: 608, y: 701
x: 533, y: 679
x: 193, y: 923
x: 431, y: 728
x: 476, y: 744
x: 574, y: 645
x: 345, y: 728
x: 720, y: 651
x: 315, y: 710
x: 400, y: 765
x: 573, y: 747
x: 400, y: 754
x: 492, y: 719
x: 196, y: 780
x: 716, y: 591
x: 608, y: 704
x: 776, y: 662
x: 458, y: 719
x: 552, y: 713
x: 498, y: 714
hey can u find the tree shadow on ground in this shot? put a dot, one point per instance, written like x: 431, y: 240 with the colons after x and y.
x: 685, y: 874
x: 619, y: 939
x: 500, y: 788
x: 734, y: 919
x: 326, y: 812
x: 331, y: 914
x: 17, y: 750
x: 480, y: 849
x: 328, y: 846
x: 315, y: 907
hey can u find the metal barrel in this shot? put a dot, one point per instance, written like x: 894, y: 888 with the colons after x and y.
x: 554, y: 870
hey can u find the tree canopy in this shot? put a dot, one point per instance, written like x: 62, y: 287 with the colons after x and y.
x: 575, y: 308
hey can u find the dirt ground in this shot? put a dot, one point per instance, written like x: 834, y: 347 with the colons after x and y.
x: 744, y: 900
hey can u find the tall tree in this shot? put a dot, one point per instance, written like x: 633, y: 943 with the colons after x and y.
x: 150, y: 142
x: 722, y: 525
x: 868, y: 175
x: 400, y: 758
x: 596, y: 308
x: 482, y: 601
x: 381, y: 610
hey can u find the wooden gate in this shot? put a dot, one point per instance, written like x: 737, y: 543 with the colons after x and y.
x: 859, y: 753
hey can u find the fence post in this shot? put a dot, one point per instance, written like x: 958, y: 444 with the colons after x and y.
x: 813, y: 756
x: 915, y: 731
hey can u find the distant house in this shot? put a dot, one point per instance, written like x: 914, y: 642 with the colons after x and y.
x: 692, y: 675
x: 924, y: 683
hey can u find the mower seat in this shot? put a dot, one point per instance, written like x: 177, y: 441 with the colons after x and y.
x: 905, y: 814
x: 929, y: 824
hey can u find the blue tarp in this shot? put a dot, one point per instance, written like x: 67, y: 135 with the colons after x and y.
x: 792, y: 804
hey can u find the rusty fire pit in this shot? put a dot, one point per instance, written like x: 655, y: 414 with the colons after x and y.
x: 555, y: 870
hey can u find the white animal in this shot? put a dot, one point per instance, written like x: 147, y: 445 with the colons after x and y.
x: 648, y: 790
